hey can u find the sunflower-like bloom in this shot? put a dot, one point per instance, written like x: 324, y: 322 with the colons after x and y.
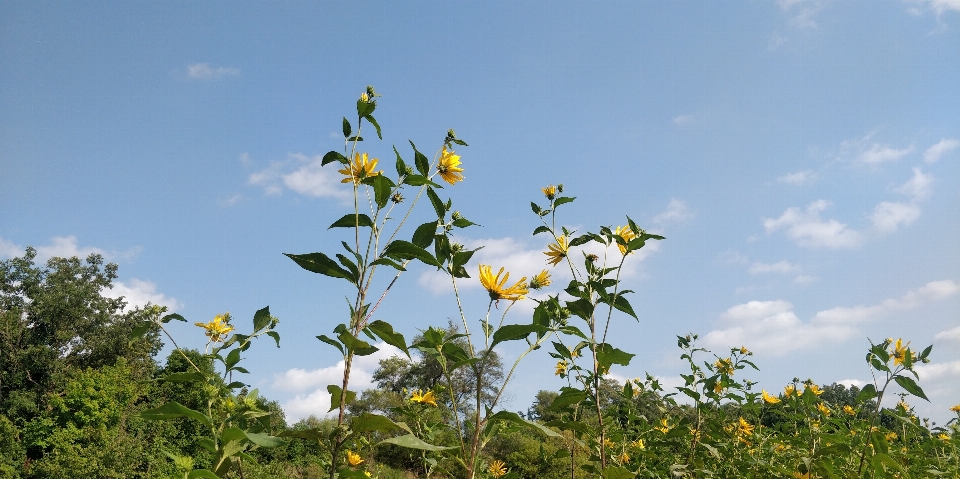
x: 943, y: 437
x: 768, y: 398
x: 900, y: 352
x: 744, y: 350
x: 361, y: 167
x: 849, y: 411
x: 724, y: 366
x: 561, y: 367
x: 558, y: 251
x: 744, y: 428
x: 790, y: 390
x: 815, y: 389
x: 541, y: 280
x: 664, y: 426
x: 903, y: 406
x: 890, y: 436
x: 718, y: 387
x: 638, y: 444
x: 798, y: 475
x: 495, y: 286
x: 217, y: 329
x: 449, y: 167
x: 354, y: 459
x: 497, y: 468
x: 823, y: 409
x: 549, y: 191
x: 955, y: 408
x: 623, y: 457
x: 427, y: 398
x: 627, y: 234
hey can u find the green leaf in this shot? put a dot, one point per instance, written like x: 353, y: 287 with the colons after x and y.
x: 346, y: 128
x: 172, y: 316
x: 413, y: 442
x: 568, y: 426
x: 562, y: 200
x: 516, y: 419
x: 232, y: 358
x: 536, y: 209
x: 187, y: 377
x: 264, y: 440
x: 332, y: 342
x: 512, y: 332
x: 462, y: 223
x: 235, y: 385
x: 335, y: 393
x: 261, y: 319
x: 365, y: 108
x: 423, y: 235
x: 367, y: 422
x: 384, y: 331
x: 568, y: 396
x: 621, y: 304
x: 438, y: 205
x: 351, y: 266
x: 581, y: 308
x: 173, y: 410
x: 422, y: 163
x: 400, y: 249
x: 332, y: 156
x: 355, y: 138
x: 541, y: 229
x: 617, y: 472
x: 867, y: 393
x: 579, y: 240
x: 382, y: 187
x: 608, y: 355
x: 352, y: 220
x: 320, y: 263
x: 139, y: 331
x: 275, y: 335
x: 389, y: 262
x: 401, y: 166
x: 909, y: 385
x: 202, y: 473
x: 373, y: 122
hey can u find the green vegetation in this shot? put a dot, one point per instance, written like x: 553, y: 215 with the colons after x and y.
x: 82, y: 395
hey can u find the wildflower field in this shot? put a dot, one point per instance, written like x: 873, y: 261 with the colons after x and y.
x: 437, y: 412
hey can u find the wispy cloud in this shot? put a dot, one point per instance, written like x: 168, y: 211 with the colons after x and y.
x: 798, y: 178
x: 802, y: 11
x: 782, y: 267
x: 938, y: 150
x: 949, y: 336
x: 940, y: 6
x: 64, y: 247
x: 917, y: 187
x: 684, y: 120
x: 772, y: 327
x: 203, y: 71
x: 140, y: 293
x: 888, y: 216
x: 301, y: 174
x: 808, y: 229
x: 676, y: 211
x: 865, y: 151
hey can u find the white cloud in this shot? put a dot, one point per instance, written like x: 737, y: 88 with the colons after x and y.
x: 771, y: 327
x: 245, y: 160
x: 939, y: 372
x: 776, y: 41
x: 935, y: 152
x: 203, y: 71
x: 9, y: 249
x: 311, y: 386
x: 948, y: 336
x: 230, y: 200
x: 807, y: 229
x: 871, y: 153
x: 799, y: 178
x: 683, y: 120
x: 917, y: 187
x: 888, y: 216
x: 941, y: 6
x: 778, y: 267
x: 852, y: 382
x: 140, y: 293
x: 804, y: 279
x: 301, y: 174
x: 67, y: 247
x: 676, y: 211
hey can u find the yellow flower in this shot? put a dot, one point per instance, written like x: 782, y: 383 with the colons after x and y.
x: 903, y: 406
x: 789, y: 390
x: 955, y: 408
x: 823, y: 409
x: 664, y: 426
x: 900, y: 352
x: 943, y: 437
x: 353, y: 458
x: 558, y: 251
x: 797, y: 475
x: 744, y: 350
x: 427, y: 398
x: 364, y: 97
x: 781, y: 447
x: 449, y: 167
x: 362, y: 167
x: 745, y: 428
x: 217, y: 329
x: 724, y: 366
x: 890, y: 436
x: 495, y: 285
x: 561, y: 367
x: 849, y: 410
x: 638, y: 444
x: 549, y: 191
x: 541, y: 280
x: 624, y: 458
x: 574, y: 353
x: 627, y: 234
x: 815, y: 389
x: 607, y: 442
x: 768, y: 398
x: 718, y: 387
x: 367, y: 473
x: 497, y: 468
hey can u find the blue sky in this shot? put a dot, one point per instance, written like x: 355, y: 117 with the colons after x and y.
x: 802, y: 158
